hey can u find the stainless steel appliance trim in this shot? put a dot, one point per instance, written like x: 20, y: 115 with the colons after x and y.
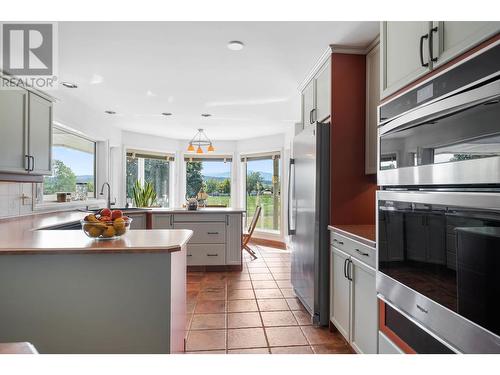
x: 442, y: 107
x: 417, y: 323
x: 465, y: 172
x: 453, y: 329
x: 460, y: 332
x: 431, y: 78
x: 487, y: 201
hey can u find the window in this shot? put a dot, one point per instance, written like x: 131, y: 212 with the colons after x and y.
x: 149, y: 167
x: 263, y: 187
x: 213, y: 175
x: 73, y: 164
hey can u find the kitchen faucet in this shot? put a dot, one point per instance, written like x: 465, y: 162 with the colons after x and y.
x: 108, y: 200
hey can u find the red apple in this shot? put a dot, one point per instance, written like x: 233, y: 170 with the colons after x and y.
x: 115, y: 214
x: 105, y: 218
x: 105, y: 212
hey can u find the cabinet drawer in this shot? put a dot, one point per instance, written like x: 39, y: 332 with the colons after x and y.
x: 205, y: 233
x: 190, y: 217
x: 206, y: 254
x: 354, y: 248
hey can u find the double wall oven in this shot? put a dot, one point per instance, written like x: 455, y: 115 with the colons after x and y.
x: 438, y: 210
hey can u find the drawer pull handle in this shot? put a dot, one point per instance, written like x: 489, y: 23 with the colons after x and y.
x: 212, y: 255
x: 190, y: 255
x: 364, y: 254
x: 212, y: 232
x: 339, y: 242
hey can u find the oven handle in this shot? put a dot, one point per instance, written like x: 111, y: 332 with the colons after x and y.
x: 443, y: 107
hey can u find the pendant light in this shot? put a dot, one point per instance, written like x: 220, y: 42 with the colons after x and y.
x: 198, y: 141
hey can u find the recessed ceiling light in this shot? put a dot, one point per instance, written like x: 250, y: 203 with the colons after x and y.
x: 166, y: 114
x: 110, y: 112
x: 235, y: 45
x: 69, y: 85
x: 206, y: 115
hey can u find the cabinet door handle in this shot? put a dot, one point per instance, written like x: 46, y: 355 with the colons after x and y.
x: 212, y: 232
x: 422, y: 38
x: 362, y: 253
x: 345, y: 268
x: 212, y: 255
x: 32, y: 163
x: 27, y: 161
x: 349, y: 270
x: 431, y: 44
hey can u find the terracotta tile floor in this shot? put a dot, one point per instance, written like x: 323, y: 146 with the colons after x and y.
x: 253, y: 311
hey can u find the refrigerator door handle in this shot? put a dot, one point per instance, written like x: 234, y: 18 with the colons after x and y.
x: 291, y: 197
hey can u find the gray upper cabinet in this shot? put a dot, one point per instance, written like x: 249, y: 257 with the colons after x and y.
x: 372, y: 101
x: 13, y: 130
x: 316, y: 96
x: 40, y: 134
x: 323, y: 89
x: 25, y: 132
x: 411, y: 49
x: 452, y: 38
x: 308, y: 104
x: 401, y: 53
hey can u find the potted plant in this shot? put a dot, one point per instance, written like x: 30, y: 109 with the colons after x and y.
x: 144, y: 196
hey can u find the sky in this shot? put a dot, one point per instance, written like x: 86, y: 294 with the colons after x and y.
x: 81, y: 163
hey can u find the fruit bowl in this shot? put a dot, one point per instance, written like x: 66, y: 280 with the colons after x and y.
x: 103, y: 227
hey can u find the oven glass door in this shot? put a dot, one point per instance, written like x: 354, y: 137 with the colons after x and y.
x: 457, y: 130
x: 448, y: 253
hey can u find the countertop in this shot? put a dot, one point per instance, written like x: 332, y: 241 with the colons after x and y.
x: 203, y: 210
x: 17, y: 348
x: 25, y: 235
x: 362, y: 233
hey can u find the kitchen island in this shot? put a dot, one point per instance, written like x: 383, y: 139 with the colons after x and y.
x: 67, y: 293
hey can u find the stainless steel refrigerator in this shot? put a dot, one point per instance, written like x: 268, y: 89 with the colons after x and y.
x: 308, y: 217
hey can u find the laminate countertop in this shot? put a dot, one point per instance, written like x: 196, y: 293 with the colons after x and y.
x: 29, y: 235
x: 362, y: 233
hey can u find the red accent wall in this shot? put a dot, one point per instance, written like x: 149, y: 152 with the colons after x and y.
x: 352, y: 193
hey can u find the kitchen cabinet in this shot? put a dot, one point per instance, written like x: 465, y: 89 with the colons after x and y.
x: 452, y: 38
x: 401, y: 48
x: 216, y: 237
x: 40, y: 134
x: 425, y: 237
x: 25, y: 132
x: 412, y: 49
x: 138, y: 220
x: 372, y: 102
x: 353, y: 299
x: 316, y: 96
x: 13, y: 130
x: 162, y: 221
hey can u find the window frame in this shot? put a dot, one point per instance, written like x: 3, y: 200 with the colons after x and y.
x: 244, y: 158
x: 190, y: 157
x: 145, y: 153
x: 52, y: 198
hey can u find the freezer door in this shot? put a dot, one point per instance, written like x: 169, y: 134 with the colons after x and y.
x: 303, y: 241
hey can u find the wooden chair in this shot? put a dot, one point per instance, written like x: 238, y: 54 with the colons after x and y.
x: 248, y: 235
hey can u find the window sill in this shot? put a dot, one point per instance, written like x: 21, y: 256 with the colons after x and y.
x: 65, y: 206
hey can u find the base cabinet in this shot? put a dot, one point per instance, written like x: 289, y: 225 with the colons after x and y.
x: 353, y: 300
x: 138, y: 220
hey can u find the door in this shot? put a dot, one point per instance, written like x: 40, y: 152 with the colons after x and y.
x: 364, y: 314
x: 405, y: 53
x: 162, y: 221
x: 323, y: 93
x: 303, y: 241
x: 13, y: 130
x: 308, y: 104
x: 341, y: 291
x: 436, y: 239
x: 40, y: 134
x: 452, y: 38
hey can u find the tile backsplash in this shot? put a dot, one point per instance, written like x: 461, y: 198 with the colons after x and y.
x: 16, y: 198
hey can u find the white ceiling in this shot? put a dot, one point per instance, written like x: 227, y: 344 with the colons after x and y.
x: 141, y: 69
